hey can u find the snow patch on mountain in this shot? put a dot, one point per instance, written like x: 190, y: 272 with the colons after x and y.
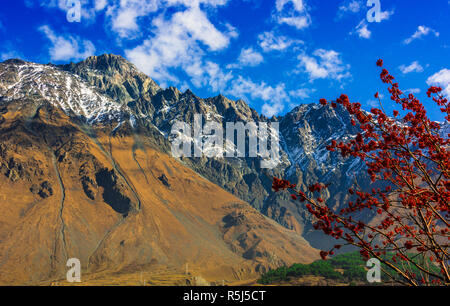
x: 62, y: 89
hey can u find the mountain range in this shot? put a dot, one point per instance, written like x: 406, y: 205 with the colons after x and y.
x: 86, y: 172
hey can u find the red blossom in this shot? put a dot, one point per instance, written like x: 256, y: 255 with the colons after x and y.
x: 323, y: 254
x: 412, y: 160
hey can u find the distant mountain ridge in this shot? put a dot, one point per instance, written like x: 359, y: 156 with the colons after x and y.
x: 85, y: 175
x: 109, y: 90
x: 129, y: 95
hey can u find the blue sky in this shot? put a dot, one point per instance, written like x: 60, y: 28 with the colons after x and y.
x: 275, y: 54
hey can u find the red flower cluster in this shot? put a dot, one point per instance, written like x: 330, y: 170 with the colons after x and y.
x: 280, y: 184
x: 412, y: 160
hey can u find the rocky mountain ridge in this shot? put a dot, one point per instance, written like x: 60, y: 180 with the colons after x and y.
x: 107, y: 89
x: 134, y: 100
x: 103, y: 190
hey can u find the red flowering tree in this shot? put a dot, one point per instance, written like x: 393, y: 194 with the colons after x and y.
x: 408, y: 154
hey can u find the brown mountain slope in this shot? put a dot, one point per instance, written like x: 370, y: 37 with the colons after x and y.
x: 113, y: 201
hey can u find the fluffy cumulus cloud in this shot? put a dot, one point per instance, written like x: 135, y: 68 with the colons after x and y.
x: 421, y: 32
x: 89, y: 8
x: 269, y: 41
x: 324, y: 64
x: 385, y: 15
x: 213, y: 76
x: 293, y: 13
x: 359, y: 6
x: 67, y: 47
x: 8, y: 54
x: 100, y: 4
x: 275, y: 97
x: 350, y: 6
x: 10, y: 50
x: 180, y: 41
x: 302, y: 93
x: 413, y: 67
x: 362, y: 29
x: 123, y: 16
x: 442, y: 79
x: 373, y: 103
x: 248, y: 58
x: 413, y: 90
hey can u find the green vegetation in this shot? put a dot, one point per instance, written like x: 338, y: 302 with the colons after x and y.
x: 348, y: 267
x: 351, y: 263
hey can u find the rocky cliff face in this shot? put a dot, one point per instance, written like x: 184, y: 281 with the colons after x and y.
x: 304, y: 134
x: 114, y: 76
x: 84, y: 175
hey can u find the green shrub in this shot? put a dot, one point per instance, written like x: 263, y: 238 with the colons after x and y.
x: 353, y: 265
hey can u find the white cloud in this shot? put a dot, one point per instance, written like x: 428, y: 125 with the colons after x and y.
x: 68, y: 47
x: 386, y: 15
x: 213, y: 76
x: 100, y: 4
x: 421, y: 32
x: 268, y: 41
x: 124, y: 15
x: 373, y: 103
x: 248, y: 57
x: 324, y: 64
x: 216, y: 78
x: 9, y: 50
x: 179, y: 42
x: 10, y: 54
x: 293, y: 13
x: 89, y: 8
x: 442, y: 79
x: 359, y: 6
x: 353, y: 6
x: 297, y: 4
x: 302, y: 93
x: 412, y: 90
x: 413, y: 67
x: 274, y: 97
x: 272, y: 109
x: 297, y: 22
x: 231, y: 32
x: 362, y: 30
